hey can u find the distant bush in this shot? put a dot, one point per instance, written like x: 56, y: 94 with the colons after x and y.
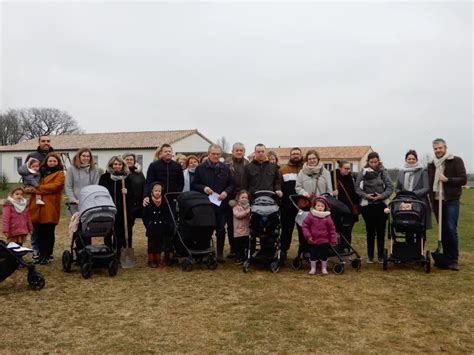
x: 3, y: 182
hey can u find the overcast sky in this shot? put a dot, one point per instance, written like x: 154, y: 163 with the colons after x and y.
x: 393, y: 75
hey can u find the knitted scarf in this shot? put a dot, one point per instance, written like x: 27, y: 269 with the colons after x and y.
x: 409, y: 171
x: 19, y: 206
x: 439, y: 164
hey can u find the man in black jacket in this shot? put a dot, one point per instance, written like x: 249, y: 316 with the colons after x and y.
x: 214, y: 177
x: 170, y: 174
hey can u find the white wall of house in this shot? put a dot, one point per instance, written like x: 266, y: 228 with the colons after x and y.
x: 193, y: 143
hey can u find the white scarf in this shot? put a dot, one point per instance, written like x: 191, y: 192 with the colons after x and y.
x: 409, y: 171
x: 439, y: 164
x: 19, y: 206
x: 319, y: 214
x: 312, y: 170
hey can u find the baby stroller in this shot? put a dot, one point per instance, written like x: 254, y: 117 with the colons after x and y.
x: 195, y: 224
x: 343, y: 249
x: 265, y: 227
x: 96, y: 216
x: 408, y: 218
x: 11, y: 258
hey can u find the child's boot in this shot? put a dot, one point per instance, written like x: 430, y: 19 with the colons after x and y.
x: 157, y: 260
x: 313, y: 267
x: 324, y: 265
x: 150, y: 259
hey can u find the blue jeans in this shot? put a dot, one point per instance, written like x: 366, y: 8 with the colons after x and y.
x: 34, y: 239
x: 449, y: 234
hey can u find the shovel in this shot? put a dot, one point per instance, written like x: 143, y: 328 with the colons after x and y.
x: 127, y: 255
x: 438, y: 256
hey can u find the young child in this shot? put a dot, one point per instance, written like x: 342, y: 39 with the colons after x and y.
x: 241, y: 212
x: 320, y: 232
x: 156, y: 218
x: 31, y: 176
x: 16, y: 217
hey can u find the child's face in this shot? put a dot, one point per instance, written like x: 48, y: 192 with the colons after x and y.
x: 156, y: 192
x: 17, y: 195
x: 319, y: 206
x: 243, y: 197
x: 405, y: 206
x: 35, y: 166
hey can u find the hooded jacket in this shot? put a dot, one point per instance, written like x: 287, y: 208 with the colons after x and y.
x: 16, y: 223
x: 318, y: 229
x: 29, y: 177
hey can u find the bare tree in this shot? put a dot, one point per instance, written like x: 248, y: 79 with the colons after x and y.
x: 46, y: 121
x: 224, y: 144
x: 11, y: 131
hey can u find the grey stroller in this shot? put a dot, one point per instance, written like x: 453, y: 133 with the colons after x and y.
x: 96, y: 219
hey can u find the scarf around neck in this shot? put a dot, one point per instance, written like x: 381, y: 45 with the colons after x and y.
x: 244, y: 204
x: 409, y: 178
x: 440, y: 165
x: 319, y: 214
x: 313, y: 170
x: 19, y: 206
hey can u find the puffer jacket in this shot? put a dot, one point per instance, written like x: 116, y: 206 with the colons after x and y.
x: 169, y: 174
x: 16, y: 223
x: 319, y: 230
x: 241, y: 221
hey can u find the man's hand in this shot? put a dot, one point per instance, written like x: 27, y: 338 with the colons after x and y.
x: 279, y: 193
x: 442, y: 177
x: 124, y: 191
x: 208, y: 190
x: 223, y: 196
x: 146, y: 201
x: 335, y: 193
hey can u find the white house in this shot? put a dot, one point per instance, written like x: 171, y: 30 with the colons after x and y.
x: 104, y: 146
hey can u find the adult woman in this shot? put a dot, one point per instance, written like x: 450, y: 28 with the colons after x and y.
x: 374, y: 187
x: 181, y: 159
x: 81, y: 173
x: 313, y: 179
x: 345, y: 186
x: 413, y: 177
x: 46, y: 217
x: 191, y: 163
x: 273, y: 157
x: 117, y: 171
x: 136, y: 181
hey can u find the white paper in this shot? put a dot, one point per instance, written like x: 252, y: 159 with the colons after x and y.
x: 214, y: 198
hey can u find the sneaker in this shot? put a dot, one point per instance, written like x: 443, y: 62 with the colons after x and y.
x: 44, y: 261
x: 40, y: 202
x: 454, y: 266
x: 380, y: 260
x: 370, y: 261
x: 35, y: 255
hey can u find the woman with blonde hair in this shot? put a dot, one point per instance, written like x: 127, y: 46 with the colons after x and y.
x: 191, y: 163
x: 82, y: 172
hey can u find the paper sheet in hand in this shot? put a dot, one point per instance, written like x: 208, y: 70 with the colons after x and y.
x: 214, y: 198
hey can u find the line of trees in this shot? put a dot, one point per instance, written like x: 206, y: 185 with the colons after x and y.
x: 17, y: 125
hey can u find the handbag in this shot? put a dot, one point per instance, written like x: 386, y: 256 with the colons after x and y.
x: 355, y: 209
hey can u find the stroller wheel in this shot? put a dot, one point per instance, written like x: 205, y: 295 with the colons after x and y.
x: 86, y: 270
x: 356, y: 264
x: 67, y: 261
x: 113, y: 267
x: 385, y: 260
x: 275, y: 266
x: 297, y: 263
x: 36, y: 281
x: 211, y: 263
x: 245, y: 266
x: 187, y: 265
x: 338, y: 269
x: 427, y: 265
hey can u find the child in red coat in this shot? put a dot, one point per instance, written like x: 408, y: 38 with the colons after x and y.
x: 16, y: 218
x: 320, y: 232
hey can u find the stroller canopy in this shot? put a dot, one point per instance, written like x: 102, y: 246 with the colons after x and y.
x: 94, y: 196
x: 264, y: 206
x: 196, y: 210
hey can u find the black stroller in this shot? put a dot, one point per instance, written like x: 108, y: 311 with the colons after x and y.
x: 265, y: 228
x: 11, y: 258
x: 343, y: 249
x: 96, y: 219
x: 195, y: 224
x: 408, y: 218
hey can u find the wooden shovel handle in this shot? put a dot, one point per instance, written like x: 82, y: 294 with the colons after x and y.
x: 124, y: 203
x: 334, y: 175
x: 440, y: 211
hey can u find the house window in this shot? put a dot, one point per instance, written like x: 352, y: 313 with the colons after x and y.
x: 18, y: 162
x: 96, y: 159
x: 328, y: 166
x: 140, y: 159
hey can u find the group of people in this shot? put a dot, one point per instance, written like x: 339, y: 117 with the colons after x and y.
x: 233, y: 183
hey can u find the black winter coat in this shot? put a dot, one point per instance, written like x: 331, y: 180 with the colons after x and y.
x: 115, y: 191
x: 261, y: 176
x: 157, y: 220
x: 169, y: 174
x: 136, y: 181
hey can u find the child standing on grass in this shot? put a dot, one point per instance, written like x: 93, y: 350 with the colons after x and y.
x: 241, y: 212
x: 156, y: 218
x: 31, y: 176
x: 16, y: 217
x: 320, y: 232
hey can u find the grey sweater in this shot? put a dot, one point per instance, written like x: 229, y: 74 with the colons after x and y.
x: 76, y: 179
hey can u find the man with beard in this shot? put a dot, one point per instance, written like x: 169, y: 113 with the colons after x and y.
x: 289, y: 173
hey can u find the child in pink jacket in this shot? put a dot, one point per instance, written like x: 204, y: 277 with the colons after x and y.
x: 16, y: 218
x: 241, y: 212
x: 320, y: 232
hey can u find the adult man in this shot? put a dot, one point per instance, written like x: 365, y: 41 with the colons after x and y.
x: 447, y: 171
x: 289, y: 173
x: 260, y: 174
x: 236, y: 165
x: 44, y: 147
x: 135, y: 192
x: 210, y: 177
x: 170, y: 174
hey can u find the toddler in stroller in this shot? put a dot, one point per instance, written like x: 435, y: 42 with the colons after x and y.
x: 95, y: 219
x: 407, y: 217
x: 265, y: 227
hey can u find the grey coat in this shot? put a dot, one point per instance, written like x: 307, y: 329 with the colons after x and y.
x: 421, y: 187
x: 312, y: 184
x: 76, y: 179
x: 29, y: 178
x: 386, y: 187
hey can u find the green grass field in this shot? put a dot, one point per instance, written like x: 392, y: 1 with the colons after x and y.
x: 142, y: 310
